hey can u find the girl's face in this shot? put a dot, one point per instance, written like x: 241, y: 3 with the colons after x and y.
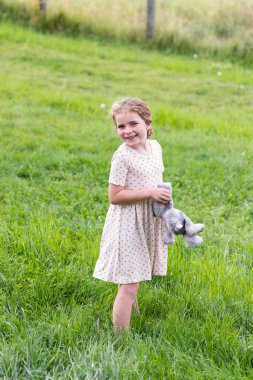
x: 131, y: 128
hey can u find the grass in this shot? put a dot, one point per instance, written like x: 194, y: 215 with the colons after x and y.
x: 56, y: 145
x: 206, y: 28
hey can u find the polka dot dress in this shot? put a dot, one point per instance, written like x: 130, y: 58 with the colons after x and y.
x: 132, y: 247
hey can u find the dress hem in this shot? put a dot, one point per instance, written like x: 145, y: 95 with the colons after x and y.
x: 132, y: 281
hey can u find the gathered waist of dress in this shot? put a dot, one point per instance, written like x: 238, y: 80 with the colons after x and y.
x: 144, y: 203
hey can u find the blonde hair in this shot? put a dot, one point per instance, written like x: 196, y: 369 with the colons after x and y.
x: 133, y: 105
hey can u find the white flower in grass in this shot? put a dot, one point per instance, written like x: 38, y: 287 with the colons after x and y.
x: 102, y: 106
x: 195, y: 56
x: 219, y: 73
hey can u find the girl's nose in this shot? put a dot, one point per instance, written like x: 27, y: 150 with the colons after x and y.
x: 128, y: 129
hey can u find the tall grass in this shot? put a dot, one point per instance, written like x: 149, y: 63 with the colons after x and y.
x: 56, y: 145
x: 212, y: 27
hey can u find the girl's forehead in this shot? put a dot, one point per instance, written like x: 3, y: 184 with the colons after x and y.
x: 126, y: 115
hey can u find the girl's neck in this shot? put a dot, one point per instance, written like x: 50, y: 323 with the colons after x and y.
x: 144, y: 149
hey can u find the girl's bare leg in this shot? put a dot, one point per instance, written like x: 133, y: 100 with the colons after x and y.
x: 122, y: 308
x: 135, y: 303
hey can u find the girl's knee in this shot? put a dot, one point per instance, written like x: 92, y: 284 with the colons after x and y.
x: 130, y: 290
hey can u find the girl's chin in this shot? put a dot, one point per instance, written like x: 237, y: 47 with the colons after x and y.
x: 131, y: 142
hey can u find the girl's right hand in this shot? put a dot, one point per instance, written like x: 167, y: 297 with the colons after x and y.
x: 160, y: 195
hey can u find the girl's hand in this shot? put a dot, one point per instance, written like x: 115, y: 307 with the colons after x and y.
x: 160, y: 195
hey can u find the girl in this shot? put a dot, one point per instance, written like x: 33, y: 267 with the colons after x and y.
x: 132, y: 247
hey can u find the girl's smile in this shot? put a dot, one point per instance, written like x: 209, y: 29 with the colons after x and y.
x: 132, y: 129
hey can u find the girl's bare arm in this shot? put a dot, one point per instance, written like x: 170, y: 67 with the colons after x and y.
x: 118, y: 195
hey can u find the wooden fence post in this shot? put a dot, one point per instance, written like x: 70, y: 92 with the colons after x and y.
x: 43, y: 5
x: 150, y: 19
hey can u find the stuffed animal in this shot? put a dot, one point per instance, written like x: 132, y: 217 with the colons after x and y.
x: 176, y: 222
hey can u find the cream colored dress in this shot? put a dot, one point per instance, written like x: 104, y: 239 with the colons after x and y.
x: 132, y: 247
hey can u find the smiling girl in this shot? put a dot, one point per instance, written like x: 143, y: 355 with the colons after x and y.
x: 132, y: 248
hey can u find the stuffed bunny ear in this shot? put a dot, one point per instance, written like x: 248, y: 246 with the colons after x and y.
x: 169, y: 187
x: 166, y: 185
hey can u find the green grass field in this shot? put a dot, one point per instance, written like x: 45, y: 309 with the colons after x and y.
x: 56, y: 144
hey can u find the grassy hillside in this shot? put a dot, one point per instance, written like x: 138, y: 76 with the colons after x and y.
x: 56, y: 143
x: 208, y: 28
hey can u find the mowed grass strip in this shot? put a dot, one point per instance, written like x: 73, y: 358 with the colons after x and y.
x: 56, y: 145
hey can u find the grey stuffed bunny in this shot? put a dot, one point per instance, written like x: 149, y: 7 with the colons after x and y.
x: 176, y: 222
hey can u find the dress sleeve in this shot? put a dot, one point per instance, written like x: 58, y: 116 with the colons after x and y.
x: 159, y: 148
x: 161, y: 158
x: 119, y: 169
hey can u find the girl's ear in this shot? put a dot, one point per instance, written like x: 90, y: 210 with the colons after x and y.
x: 149, y: 130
